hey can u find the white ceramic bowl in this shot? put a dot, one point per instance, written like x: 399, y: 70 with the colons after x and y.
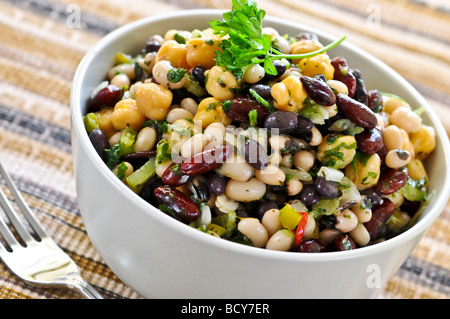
x: 160, y: 257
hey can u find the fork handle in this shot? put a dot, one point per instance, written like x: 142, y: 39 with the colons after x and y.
x: 84, y: 288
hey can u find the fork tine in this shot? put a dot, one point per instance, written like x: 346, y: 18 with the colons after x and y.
x: 14, y: 218
x: 7, y: 234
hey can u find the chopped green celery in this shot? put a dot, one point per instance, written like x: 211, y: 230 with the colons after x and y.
x: 216, y: 229
x: 298, y: 173
x: 315, y: 112
x: 90, y: 122
x: 289, y: 217
x: 326, y: 207
x: 227, y: 221
x: 414, y: 190
x: 126, y: 141
x: 139, y: 177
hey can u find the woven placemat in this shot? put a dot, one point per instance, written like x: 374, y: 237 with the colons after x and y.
x: 41, y: 45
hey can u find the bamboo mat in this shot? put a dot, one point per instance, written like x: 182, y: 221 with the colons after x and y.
x: 40, y: 49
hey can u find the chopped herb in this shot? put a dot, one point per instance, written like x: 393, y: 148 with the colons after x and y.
x: 121, y: 169
x: 258, y: 98
x: 175, y: 75
x: 179, y: 38
x: 253, y: 117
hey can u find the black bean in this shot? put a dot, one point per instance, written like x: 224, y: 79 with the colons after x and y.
x: 265, y: 206
x: 304, y: 126
x: 309, y: 195
x: 284, y: 121
x: 327, y: 221
x: 318, y: 91
x: 373, y: 198
x: 254, y: 154
x: 328, y: 189
x: 360, y: 91
x: 217, y: 183
x: 198, y: 73
x: 100, y: 142
x: 153, y: 44
x: 280, y: 67
x: 263, y: 90
x: 312, y: 246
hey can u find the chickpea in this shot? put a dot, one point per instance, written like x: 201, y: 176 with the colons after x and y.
x: 337, y: 151
x: 282, y: 240
x: 271, y: 221
x: 391, y: 103
x: 254, y: 231
x: 249, y: 191
x: 304, y: 160
x: 209, y: 111
x: 289, y: 94
x: 271, y: 175
x: 366, y: 175
x: 416, y: 170
x: 104, y: 121
x: 317, y: 64
x: 127, y: 114
x: 304, y: 46
x: 423, y: 141
x: 220, y: 82
x: 154, y: 100
x: 202, y: 51
x: 175, y: 53
x: 145, y: 140
x: 406, y: 119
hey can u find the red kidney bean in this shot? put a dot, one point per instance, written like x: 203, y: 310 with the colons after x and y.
x: 370, y: 141
x: 312, y: 246
x: 356, y: 112
x: 173, y: 177
x: 318, y: 91
x: 205, y: 161
x: 375, y: 100
x: 284, y: 121
x: 380, y: 214
x: 344, y: 242
x: 382, y: 153
x: 177, y: 202
x: 239, y: 108
x: 100, y: 142
x: 360, y: 91
x: 254, y: 154
x: 108, y: 96
x: 391, y: 180
x: 343, y: 73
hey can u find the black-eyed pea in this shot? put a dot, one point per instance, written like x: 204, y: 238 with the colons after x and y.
x: 193, y: 145
x: 145, y: 140
x: 177, y: 114
x: 293, y: 187
x: 397, y: 158
x: 362, y: 211
x: 423, y: 141
x: 271, y: 221
x: 282, y: 240
x: 366, y: 175
x: 254, y: 73
x: 189, y: 104
x: 275, y: 158
x: 392, y: 138
x: 328, y: 235
x: 360, y: 235
x: 406, y: 119
x: 148, y: 62
x: 161, y: 167
x: 304, y: 159
x: 125, y: 68
x: 316, y: 136
x: 249, y: 191
x: 407, y: 145
x: 254, y: 231
x: 287, y: 160
x: 271, y: 175
x: 346, y: 221
x: 278, y: 142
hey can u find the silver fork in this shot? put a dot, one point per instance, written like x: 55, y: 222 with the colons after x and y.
x: 38, y: 262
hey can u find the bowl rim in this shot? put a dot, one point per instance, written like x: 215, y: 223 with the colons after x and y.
x: 77, y: 128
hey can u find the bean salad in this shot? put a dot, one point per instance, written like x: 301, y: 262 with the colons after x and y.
x: 287, y: 150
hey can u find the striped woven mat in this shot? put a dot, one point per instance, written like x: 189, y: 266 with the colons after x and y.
x: 40, y: 49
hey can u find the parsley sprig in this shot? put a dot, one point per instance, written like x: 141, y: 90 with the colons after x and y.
x: 246, y: 44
